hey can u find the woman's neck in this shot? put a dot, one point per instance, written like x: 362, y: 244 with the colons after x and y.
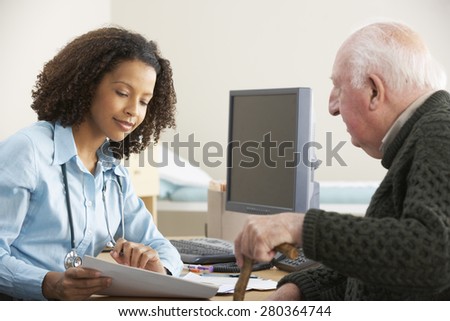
x: 87, y: 145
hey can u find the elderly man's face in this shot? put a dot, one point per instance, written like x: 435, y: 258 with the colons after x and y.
x: 353, y: 106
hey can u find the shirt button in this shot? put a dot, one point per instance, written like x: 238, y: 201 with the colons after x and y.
x: 88, y: 203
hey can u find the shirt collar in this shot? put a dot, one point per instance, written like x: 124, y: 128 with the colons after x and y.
x: 401, y: 120
x: 65, y: 149
x: 64, y: 144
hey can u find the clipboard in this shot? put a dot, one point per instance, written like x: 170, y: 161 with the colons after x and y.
x: 134, y: 282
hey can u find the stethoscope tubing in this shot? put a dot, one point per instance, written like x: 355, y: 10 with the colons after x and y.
x: 69, y: 210
x: 72, y: 258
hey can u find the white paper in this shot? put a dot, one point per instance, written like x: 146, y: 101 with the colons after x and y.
x: 133, y: 282
x: 226, y: 284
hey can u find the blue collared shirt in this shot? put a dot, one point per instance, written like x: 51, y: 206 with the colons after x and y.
x: 34, y: 221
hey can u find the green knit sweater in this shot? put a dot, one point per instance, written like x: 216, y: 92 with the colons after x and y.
x: 400, y: 250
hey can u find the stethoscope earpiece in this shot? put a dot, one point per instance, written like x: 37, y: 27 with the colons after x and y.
x: 72, y: 259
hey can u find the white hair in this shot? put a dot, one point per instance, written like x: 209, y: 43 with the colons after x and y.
x: 395, y: 53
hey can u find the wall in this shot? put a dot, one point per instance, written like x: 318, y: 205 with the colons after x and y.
x: 216, y: 46
x: 31, y: 32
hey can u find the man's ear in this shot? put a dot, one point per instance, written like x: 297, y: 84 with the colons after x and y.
x: 377, y: 91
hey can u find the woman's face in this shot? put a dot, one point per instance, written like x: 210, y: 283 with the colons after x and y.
x: 120, y: 102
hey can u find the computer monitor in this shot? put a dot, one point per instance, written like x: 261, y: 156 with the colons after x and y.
x: 270, y: 161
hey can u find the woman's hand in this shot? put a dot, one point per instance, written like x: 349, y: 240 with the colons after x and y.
x: 74, y: 284
x: 137, y: 255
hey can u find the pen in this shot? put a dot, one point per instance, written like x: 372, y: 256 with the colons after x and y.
x: 199, y: 268
x: 237, y: 275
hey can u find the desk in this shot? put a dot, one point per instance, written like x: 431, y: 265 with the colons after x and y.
x: 252, y: 295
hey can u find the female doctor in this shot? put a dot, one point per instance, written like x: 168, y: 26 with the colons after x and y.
x: 63, y: 193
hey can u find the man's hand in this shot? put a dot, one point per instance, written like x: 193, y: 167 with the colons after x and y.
x: 286, y: 292
x: 261, y: 234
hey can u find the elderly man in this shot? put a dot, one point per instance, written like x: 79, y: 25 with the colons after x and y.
x: 387, y: 89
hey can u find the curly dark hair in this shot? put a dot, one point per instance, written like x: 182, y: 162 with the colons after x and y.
x: 65, y: 88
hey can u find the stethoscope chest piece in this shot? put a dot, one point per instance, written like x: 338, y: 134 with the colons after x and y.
x: 72, y: 259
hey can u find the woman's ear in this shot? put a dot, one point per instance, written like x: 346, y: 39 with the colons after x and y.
x: 377, y: 91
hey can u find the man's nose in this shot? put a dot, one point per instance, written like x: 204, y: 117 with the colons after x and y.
x: 333, y: 104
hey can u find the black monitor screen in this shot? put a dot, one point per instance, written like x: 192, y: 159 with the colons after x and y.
x: 264, y: 127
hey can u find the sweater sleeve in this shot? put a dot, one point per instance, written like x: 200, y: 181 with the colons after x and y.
x: 318, y: 284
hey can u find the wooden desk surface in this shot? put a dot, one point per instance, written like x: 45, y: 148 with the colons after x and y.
x: 252, y: 295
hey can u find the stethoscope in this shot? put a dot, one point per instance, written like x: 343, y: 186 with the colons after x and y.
x: 72, y: 259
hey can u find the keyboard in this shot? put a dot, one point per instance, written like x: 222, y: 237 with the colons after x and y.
x: 232, y: 267
x: 220, y: 254
x: 205, y: 250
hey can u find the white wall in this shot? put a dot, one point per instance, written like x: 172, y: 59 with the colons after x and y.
x: 31, y: 32
x: 216, y: 46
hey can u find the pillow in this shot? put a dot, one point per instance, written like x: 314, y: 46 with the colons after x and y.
x: 186, y: 175
x: 190, y: 194
x: 166, y: 189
